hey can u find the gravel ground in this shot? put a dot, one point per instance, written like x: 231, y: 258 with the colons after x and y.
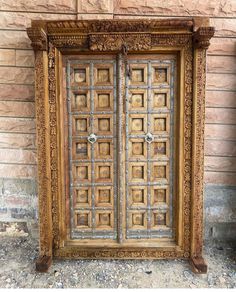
x: 19, y: 252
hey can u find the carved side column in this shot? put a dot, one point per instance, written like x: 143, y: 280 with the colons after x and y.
x: 39, y: 43
x: 201, y: 42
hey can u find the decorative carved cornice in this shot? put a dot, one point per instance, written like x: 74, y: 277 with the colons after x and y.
x: 64, y: 41
x: 117, y: 25
x: 38, y: 38
x: 114, y: 42
x: 202, y: 37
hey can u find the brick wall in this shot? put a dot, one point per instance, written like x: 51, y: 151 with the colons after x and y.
x: 18, y: 164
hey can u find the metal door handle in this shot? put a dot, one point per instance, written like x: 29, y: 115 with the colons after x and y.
x: 92, y: 138
x: 149, y: 138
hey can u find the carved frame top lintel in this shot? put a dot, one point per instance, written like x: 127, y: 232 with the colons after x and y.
x: 111, y: 35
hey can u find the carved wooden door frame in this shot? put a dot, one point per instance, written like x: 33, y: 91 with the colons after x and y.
x: 50, y: 40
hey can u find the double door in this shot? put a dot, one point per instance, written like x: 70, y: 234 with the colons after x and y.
x: 121, y: 137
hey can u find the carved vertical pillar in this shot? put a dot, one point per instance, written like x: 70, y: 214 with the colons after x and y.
x: 39, y: 43
x: 201, y: 41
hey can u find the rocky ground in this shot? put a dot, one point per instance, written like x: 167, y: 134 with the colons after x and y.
x: 19, y: 251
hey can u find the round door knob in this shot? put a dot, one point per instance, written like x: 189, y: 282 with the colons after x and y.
x: 92, y: 138
x: 149, y: 138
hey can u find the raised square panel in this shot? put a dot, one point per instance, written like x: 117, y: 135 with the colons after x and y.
x: 104, y: 219
x: 159, y: 219
x: 138, y: 74
x: 160, y: 75
x: 80, y: 125
x: 103, y: 125
x: 159, y: 100
x: 104, y: 196
x: 160, y: 123
x: 137, y: 171
x: 80, y: 149
x: 104, y: 172
x: 81, y: 172
x: 80, y: 101
x: 159, y: 195
x: 82, y: 197
x: 103, y: 100
x: 137, y: 220
x: 80, y: 75
x: 103, y: 74
x: 137, y: 196
x: 103, y: 149
x: 137, y: 148
x: 82, y: 219
x: 160, y: 171
x: 138, y: 99
x: 137, y: 124
x: 160, y: 148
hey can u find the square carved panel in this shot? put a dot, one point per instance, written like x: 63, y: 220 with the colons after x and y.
x: 81, y: 125
x: 160, y: 171
x: 138, y: 196
x: 81, y: 149
x: 82, y: 197
x: 138, y: 74
x: 160, y: 75
x: 160, y: 123
x: 159, y: 219
x: 104, y: 196
x: 159, y: 195
x: 159, y: 99
x: 160, y: 148
x: 103, y: 172
x: 137, y: 148
x: 104, y: 149
x: 80, y: 101
x: 137, y: 124
x: 82, y: 219
x: 82, y: 172
x: 137, y: 171
x: 103, y: 75
x: 104, y: 219
x: 103, y: 124
x: 137, y: 99
x: 137, y: 220
x: 80, y: 75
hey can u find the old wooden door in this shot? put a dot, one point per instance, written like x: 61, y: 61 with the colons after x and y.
x: 121, y: 136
